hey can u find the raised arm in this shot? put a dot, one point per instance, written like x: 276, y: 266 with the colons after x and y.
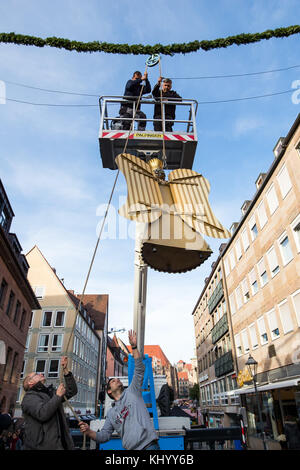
x: 139, y: 368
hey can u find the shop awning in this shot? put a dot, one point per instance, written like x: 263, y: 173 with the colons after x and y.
x: 269, y: 386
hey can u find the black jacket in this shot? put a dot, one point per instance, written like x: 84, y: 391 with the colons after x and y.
x: 46, y: 426
x: 169, y: 108
x: 133, y: 88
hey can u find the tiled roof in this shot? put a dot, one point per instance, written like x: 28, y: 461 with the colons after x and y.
x: 155, y: 351
x: 96, y: 306
x: 183, y: 376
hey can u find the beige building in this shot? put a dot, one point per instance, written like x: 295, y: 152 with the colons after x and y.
x: 215, y: 356
x: 55, y: 330
x: 260, y: 266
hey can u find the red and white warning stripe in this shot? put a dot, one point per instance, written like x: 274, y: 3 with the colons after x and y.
x: 168, y: 136
x: 183, y: 138
x: 116, y: 135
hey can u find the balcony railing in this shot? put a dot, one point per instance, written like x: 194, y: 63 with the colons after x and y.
x: 224, y: 364
x: 219, y: 329
x: 215, y: 297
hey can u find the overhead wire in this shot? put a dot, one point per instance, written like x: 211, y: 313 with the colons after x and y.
x: 203, y: 77
x: 199, y: 102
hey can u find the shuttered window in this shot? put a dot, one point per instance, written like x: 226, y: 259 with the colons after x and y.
x: 262, y: 272
x: 253, y: 281
x: 296, y: 302
x: 272, y: 199
x: 262, y: 330
x: 273, y: 261
x: 245, y: 341
x: 245, y: 239
x: 273, y: 324
x: 238, y: 345
x: 285, y: 317
x: 262, y: 216
x: 238, y: 249
x: 253, y: 336
x: 284, y: 181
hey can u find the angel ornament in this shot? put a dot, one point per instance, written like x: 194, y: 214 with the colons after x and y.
x: 175, y: 213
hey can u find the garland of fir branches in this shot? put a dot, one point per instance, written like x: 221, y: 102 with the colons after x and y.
x: 137, y: 49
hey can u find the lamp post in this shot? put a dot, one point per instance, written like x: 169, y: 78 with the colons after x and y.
x: 252, y: 367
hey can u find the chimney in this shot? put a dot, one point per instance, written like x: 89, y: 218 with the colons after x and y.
x: 260, y: 180
x: 279, y: 147
x: 54, y: 270
x: 245, y: 206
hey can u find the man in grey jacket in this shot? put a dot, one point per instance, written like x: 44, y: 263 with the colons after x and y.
x: 46, y: 426
x: 128, y: 415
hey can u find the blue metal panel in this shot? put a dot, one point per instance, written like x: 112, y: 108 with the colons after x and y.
x: 165, y: 443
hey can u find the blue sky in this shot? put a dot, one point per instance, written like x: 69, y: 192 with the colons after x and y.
x: 50, y: 161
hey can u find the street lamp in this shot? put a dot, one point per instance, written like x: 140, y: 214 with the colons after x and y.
x: 252, y: 367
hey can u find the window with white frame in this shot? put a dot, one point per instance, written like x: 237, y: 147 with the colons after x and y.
x: 226, y: 266
x: 57, y: 343
x: 28, y: 339
x: 285, y: 317
x: 215, y: 393
x: 263, y: 276
x: 40, y: 366
x: 59, y: 318
x: 31, y: 319
x: 273, y: 261
x: 238, y: 249
x: 238, y: 345
x: 23, y: 369
x: 253, y: 227
x: 238, y: 295
x: 285, y: 249
x: 272, y: 199
x: 232, y: 259
x: 43, y: 343
x: 39, y: 292
x: 53, y: 368
x: 245, y: 290
x: 262, y: 216
x: 253, y: 336
x: 296, y: 302
x: 245, y: 341
x: 47, y: 318
x: 253, y: 281
x: 232, y: 304
x: 284, y: 181
x: 245, y: 239
x: 295, y: 225
x: 262, y: 330
x: 273, y: 324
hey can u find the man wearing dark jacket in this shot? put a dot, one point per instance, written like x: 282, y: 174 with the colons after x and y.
x: 46, y: 426
x: 133, y: 89
x: 169, y: 109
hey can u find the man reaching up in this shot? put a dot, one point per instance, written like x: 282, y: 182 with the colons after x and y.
x: 128, y: 415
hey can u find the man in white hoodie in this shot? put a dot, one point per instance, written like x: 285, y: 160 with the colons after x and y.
x: 128, y: 415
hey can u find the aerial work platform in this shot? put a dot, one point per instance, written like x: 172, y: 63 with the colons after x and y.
x: 180, y: 145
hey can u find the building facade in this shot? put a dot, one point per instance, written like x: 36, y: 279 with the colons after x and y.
x: 58, y: 329
x: 215, y: 355
x: 17, y: 299
x: 260, y: 266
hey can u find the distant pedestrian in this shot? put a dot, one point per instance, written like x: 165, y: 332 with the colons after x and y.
x: 15, y: 443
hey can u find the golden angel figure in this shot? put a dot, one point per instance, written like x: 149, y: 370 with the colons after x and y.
x: 176, y: 213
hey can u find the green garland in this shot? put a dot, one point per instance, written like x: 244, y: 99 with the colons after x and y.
x: 136, y: 49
